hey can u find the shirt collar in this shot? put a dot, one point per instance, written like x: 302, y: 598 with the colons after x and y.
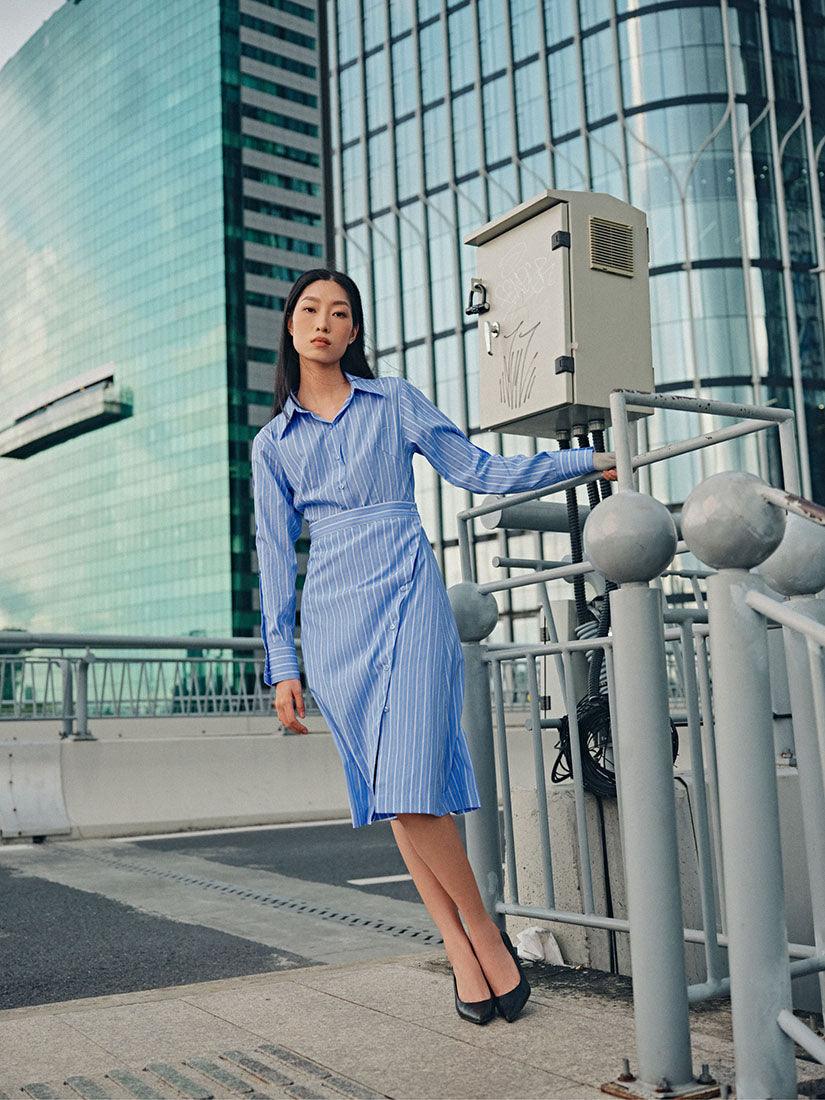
x: 284, y: 419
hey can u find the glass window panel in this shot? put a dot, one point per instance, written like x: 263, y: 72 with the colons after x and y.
x: 498, y: 140
x: 431, y: 51
x: 492, y: 32
x: 599, y: 75
x: 377, y: 99
x: 375, y: 22
x: 385, y: 281
x: 347, y: 32
x: 593, y: 11
x: 530, y: 104
x: 465, y: 133
x: 352, y: 161
x: 462, y: 48
x: 672, y: 53
x: 413, y: 272
x: 380, y: 174
x: 403, y: 77
x: 558, y: 20
x: 437, y: 167
x: 562, y: 73
x: 350, y: 81
x: 407, y: 148
x: 402, y: 13
x: 525, y: 28
x: 441, y: 227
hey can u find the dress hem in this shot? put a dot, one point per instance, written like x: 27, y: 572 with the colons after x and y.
x: 383, y: 815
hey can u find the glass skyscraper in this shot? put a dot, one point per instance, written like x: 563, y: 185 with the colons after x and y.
x: 709, y: 116
x: 161, y: 187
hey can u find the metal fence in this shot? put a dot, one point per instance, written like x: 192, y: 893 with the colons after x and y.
x: 719, y: 657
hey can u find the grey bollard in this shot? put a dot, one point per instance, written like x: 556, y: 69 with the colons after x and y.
x: 730, y: 527
x: 631, y: 538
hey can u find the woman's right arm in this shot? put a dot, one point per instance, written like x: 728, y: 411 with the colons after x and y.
x: 277, y: 526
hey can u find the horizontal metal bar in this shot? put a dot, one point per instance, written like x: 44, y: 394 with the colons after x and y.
x: 801, y: 968
x: 575, y: 569
x: 781, y: 613
x: 22, y: 639
x: 791, y: 502
x: 698, y: 442
x: 802, y: 1034
x: 683, y: 403
x: 508, y: 650
x: 615, y: 924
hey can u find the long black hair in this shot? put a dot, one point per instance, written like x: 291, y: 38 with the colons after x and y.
x: 354, y: 359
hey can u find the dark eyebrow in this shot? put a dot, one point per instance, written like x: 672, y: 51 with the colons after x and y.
x: 312, y: 298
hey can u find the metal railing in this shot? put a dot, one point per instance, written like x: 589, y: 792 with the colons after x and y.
x: 729, y: 781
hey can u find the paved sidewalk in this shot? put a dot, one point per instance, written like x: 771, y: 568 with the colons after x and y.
x: 377, y: 1028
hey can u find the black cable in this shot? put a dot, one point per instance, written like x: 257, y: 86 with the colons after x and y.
x: 592, y: 486
x: 595, y: 669
x: 582, y: 612
x: 608, y: 893
x: 598, y: 443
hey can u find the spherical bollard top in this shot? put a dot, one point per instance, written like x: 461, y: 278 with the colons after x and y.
x: 476, y: 613
x: 797, y: 567
x: 630, y: 537
x: 728, y: 524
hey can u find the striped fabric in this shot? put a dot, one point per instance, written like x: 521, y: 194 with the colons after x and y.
x: 381, y: 649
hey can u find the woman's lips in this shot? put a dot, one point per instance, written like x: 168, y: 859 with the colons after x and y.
x: 321, y: 341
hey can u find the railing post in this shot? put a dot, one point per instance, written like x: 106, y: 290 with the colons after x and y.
x: 476, y: 615
x: 82, y: 733
x: 730, y: 527
x: 67, y: 718
x: 631, y: 538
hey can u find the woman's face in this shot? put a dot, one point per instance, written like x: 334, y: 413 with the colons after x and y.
x: 322, y: 313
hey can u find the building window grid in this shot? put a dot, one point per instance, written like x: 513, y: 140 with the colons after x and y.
x: 585, y: 128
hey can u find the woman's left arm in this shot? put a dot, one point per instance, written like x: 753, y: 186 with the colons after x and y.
x: 462, y: 463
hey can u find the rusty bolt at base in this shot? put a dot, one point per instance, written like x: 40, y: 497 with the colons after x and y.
x: 626, y: 1075
x: 704, y: 1077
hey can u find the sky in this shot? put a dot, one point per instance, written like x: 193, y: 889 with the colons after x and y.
x: 19, y: 19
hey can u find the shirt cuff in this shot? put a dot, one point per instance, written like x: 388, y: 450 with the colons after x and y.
x: 581, y: 459
x: 282, y: 664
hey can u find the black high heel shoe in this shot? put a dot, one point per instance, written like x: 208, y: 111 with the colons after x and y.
x: 477, y: 1012
x: 511, y: 1003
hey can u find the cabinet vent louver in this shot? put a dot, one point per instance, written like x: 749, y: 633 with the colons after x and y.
x: 611, y: 247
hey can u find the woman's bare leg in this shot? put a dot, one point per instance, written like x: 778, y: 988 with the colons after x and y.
x: 469, y: 976
x: 437, y: 842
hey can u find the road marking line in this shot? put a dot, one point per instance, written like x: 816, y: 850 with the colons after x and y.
x: 381, y: 878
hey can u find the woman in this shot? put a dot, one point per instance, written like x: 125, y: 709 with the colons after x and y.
x: 381, y: 649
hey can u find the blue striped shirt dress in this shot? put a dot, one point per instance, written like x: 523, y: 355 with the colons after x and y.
x: 381, y: 650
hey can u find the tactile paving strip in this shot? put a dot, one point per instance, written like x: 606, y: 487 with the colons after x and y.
x: 422, y: 935
x: 269, y: 1071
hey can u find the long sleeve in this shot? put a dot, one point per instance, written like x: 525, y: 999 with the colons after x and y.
x: 462, y: 463
x: 277, y: 526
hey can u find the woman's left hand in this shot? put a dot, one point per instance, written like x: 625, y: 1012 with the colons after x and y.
x: 605, y: 463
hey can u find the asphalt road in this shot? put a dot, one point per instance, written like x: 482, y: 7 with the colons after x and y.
x: 84, y: 919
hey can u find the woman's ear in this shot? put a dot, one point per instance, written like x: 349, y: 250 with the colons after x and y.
x: 354, y: 333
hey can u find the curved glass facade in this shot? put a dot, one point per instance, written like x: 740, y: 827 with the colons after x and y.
x: 711, y: 117
x: 161, y: 189
x: 112, y: 252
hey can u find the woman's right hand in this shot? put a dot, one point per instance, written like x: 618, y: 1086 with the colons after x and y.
x: 288, y: 699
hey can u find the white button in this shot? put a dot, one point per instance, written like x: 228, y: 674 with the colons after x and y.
x: 403, y: 587
x: 386, y: 666
x: 393, y: 622
x: 386, y: 708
